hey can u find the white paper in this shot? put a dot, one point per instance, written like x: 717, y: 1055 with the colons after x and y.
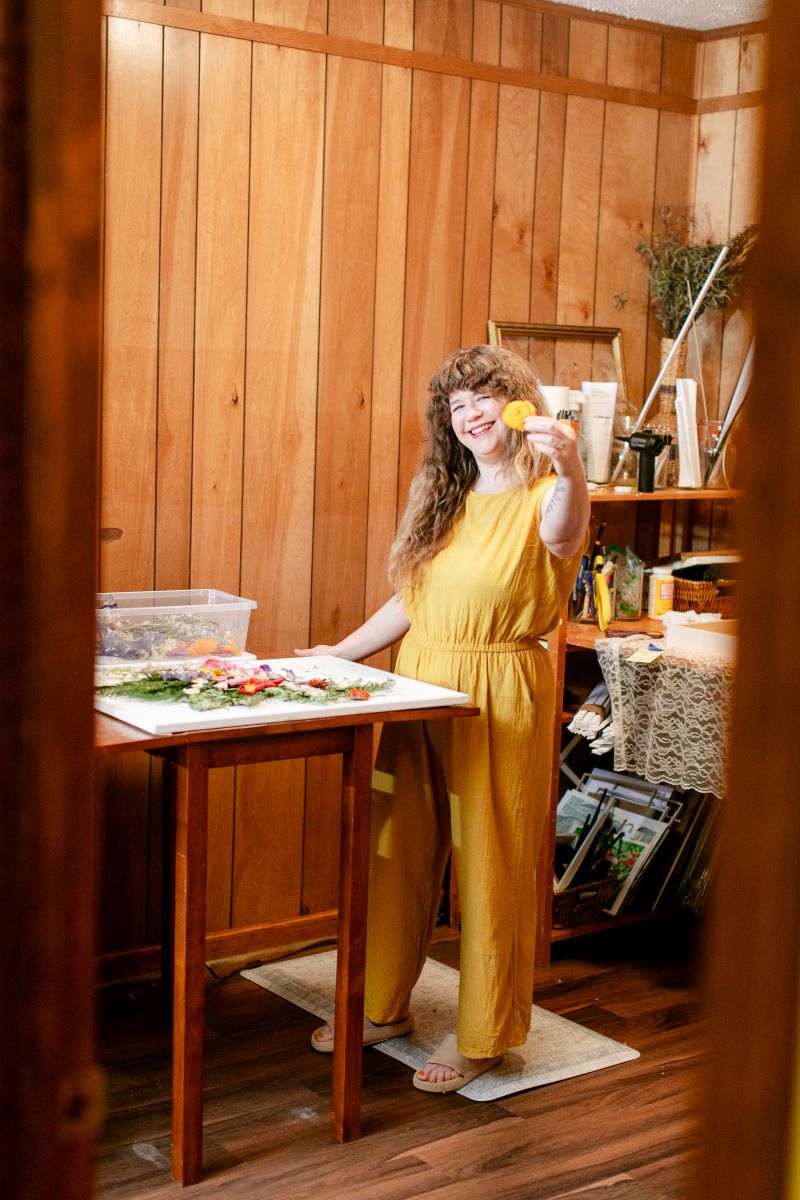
x: 689, y: 473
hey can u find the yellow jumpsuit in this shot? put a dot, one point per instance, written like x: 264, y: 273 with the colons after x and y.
x: 480, y: 783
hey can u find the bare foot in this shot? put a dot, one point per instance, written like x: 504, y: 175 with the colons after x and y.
x: 323, y: 1034
x: 448, y: 1071
x: 434, y: 1072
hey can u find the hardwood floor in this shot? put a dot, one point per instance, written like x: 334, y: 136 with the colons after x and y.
x: 629, y: 1132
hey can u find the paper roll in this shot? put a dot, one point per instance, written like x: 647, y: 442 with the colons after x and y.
x: 689, y: 473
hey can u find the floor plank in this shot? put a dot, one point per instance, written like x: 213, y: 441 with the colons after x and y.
x: 629, y: 1132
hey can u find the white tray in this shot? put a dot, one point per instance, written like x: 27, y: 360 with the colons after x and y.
x: 157, y: 717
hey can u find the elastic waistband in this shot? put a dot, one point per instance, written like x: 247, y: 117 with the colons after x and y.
x: 529, y: 643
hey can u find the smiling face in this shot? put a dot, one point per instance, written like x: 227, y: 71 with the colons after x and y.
x: 476, y: 421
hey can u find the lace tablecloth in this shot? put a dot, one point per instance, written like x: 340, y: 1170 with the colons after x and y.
x: 671, y: 717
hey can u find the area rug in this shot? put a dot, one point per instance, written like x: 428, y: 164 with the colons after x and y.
x: 556, y: 1048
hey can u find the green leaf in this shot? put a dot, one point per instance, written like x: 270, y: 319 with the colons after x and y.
x: 675, y: 260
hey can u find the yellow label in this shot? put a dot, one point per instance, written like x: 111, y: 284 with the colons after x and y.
x: 662, y: 588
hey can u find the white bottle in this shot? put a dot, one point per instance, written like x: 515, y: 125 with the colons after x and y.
x: 660, y: 593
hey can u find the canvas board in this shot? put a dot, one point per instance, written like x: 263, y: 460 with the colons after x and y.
x: 159, y: 717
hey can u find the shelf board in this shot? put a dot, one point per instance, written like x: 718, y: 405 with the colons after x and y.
x: 582, y: 635
x: 609, y: 496
x: 566, y: 932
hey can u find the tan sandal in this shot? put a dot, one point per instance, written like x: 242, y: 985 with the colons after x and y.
x: 371, y: 1036
x: 447, y: 1055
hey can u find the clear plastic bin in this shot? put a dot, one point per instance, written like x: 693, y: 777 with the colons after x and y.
x: 195, y: 622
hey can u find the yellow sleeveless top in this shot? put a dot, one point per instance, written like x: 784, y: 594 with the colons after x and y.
x: 494, y: 588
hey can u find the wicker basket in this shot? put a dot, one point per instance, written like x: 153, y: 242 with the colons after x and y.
x: 584, y: 902
x: 726, y: 607
x: 726, y: 600
x: 699, y: 594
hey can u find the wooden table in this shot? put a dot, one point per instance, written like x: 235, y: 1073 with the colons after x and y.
x: 188, y: 757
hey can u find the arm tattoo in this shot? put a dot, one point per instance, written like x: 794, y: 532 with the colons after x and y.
x: 556, y: 498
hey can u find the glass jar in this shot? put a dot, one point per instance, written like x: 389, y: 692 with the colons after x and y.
x: 666, y: 424
x: 626, y: 472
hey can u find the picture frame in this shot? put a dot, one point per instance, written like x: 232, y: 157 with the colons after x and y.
x: 566, y: 355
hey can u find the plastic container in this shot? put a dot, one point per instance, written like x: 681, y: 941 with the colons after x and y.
x: 554, y: 397
x: 195, y: 622
x: 629, y: 578
x: 582, y: 606
x: 661, y: 591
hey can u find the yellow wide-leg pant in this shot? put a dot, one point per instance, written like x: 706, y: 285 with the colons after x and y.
x: 479, y: 785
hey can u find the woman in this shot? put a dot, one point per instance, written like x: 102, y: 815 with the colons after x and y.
x: 484, y: 558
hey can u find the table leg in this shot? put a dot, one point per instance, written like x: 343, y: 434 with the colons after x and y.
x: 353, y: 880
x: 168, y: 782
x: 191, y: 829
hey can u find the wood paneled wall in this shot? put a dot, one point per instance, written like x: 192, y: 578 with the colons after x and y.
x: 308, y: 204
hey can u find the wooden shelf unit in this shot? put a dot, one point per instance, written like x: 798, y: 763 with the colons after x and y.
x: 604, y: 924
x: 573, y: 636
x: 603, y: 495
x: 582, y: 635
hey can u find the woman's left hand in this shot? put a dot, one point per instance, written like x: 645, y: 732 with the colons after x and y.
x: 555, y: 439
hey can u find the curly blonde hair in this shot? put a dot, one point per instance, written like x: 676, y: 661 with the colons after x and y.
x: 439, y: 489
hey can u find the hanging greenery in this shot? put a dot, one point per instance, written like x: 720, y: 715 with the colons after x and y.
x: 675, y: 260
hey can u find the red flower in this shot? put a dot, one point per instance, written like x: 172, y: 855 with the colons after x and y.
x: 357, y: 693
x: 251, y: 686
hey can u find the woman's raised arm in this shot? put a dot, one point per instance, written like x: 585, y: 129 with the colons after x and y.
x: 565, y: 507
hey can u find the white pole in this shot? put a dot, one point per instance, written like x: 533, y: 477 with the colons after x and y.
x: 675, y: 347
x: 697, y: 352
x: 736, y: 402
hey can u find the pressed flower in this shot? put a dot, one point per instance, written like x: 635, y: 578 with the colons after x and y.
x: 251, y: 686
x: 215, y: 685
x: 159, y: 636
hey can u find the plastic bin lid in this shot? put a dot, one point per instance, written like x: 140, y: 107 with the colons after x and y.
x: 174, y: 598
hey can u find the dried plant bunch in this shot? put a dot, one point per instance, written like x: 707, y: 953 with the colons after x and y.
x: 675, y: 260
